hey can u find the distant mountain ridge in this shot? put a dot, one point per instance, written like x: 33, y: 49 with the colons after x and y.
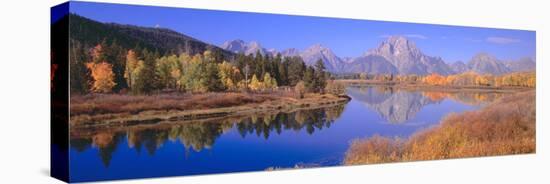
x: 459, y: 67
x: 310, y: 55
x: 396, y: 55
x: 523, y: 65
x: 371, y: 64
x: 239, y: 46
x: 485, y: 63
x: 408, y: 59
x: 91, y: 32
x: 318, y: 52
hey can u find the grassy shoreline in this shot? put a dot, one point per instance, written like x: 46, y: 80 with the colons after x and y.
x: 426, y: 87
x: 118, y: 110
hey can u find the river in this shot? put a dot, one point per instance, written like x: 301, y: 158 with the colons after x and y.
x: 308, y: 138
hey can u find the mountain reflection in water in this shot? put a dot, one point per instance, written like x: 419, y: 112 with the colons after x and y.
x: 397, y: 105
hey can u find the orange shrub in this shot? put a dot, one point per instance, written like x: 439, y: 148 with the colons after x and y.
x: 435, y: 79
x: 103, y: 76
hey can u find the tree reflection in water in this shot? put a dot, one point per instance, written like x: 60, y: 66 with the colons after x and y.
x: 197, y: 136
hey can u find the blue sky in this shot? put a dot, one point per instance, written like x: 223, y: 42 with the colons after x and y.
x: 346, y: 37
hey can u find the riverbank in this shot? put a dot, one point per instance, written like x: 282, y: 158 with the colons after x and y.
x: 101, y: 110
x: 504, y: 127
x: 426, y: 87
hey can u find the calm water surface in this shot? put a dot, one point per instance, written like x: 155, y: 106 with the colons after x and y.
x: 309, y: 138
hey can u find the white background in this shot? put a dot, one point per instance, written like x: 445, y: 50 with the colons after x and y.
x: 24, y: 90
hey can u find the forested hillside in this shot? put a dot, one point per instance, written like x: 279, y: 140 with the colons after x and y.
x: 90, y: 33
x: 107, y: 58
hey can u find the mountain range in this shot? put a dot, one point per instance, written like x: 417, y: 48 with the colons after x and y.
x: 396, y: 55
x: 239, y: 46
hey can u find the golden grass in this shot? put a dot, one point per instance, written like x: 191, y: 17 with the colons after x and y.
x: 504, y: 127
x: 117, y: 103
x: 114, y: 109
